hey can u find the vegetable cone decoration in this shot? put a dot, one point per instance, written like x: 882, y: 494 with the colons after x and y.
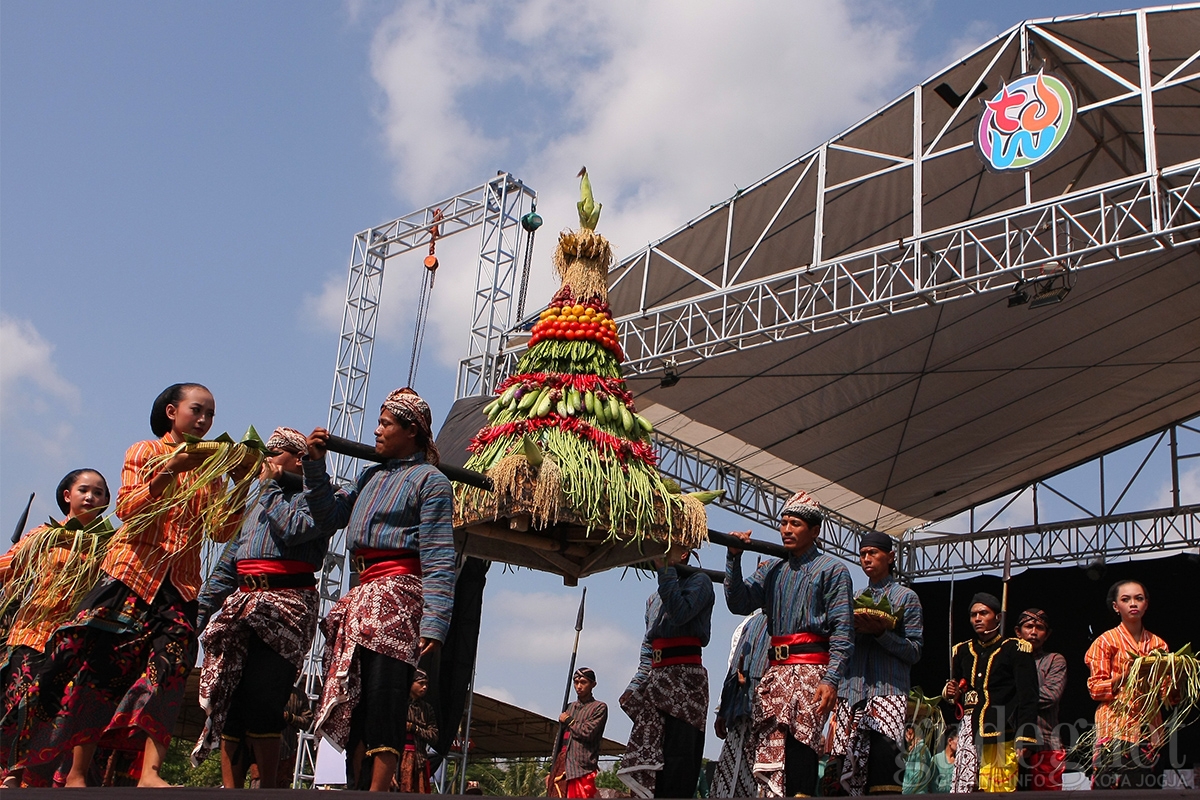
x: 564, y: 440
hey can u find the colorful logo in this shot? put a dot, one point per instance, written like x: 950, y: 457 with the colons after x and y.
x: 1025, y: 122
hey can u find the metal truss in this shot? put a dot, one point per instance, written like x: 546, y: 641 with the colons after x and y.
x: 1075, y: 232
x: 748, y: 495
x: 1153, y: 208
x: 1082, y: 542
x: 496, y: 208
x: 495, y: 285
x: 1077, y: 516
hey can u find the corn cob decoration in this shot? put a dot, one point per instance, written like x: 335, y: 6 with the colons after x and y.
x: 566, y: 420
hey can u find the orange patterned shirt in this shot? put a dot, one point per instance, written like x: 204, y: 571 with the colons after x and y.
x: 171, y: 545
x: 1109, y: 659
x: 26, y: 630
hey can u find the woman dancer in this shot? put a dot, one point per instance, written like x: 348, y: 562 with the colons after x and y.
x: 37, y: 576
x: 1124, y: 753
x: 115, y: 674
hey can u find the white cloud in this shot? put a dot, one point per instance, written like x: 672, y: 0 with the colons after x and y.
x: 671, y: 106
x: 36, y: 401
x: 28, y: 375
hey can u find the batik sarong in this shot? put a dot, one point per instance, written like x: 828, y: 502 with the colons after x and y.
x: 18, y: 677
x: 786, y: 706
x: 677, y: 690
x: 734, y: 776
x: 113, y: 675
x: 383, y: 616
x: 966, y: 760
x: 284, y: 619
x: 884, y: 715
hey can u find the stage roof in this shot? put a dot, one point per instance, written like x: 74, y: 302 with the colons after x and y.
x: 927, y: 393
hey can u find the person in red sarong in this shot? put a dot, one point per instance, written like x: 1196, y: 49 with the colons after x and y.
x: 573, y: 773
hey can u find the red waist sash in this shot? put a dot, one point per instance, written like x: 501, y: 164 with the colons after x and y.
x: 800, y: 648
x: 371, y: 564
x: 676, y: 650
x: 260, y: 574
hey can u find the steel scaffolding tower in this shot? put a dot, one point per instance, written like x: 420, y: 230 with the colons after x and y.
x: 496, y: 208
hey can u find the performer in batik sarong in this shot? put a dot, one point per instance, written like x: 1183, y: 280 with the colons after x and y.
x: 573, y: 772
x: 114, y: 675
x: 807, y: 603
x: 36, y: 578
x: 422, y: 734
x: 734, y: 776
x: 1125, y: 751
x: 1047, y: 758
x: 398, y: 520
x: 873, y: 697
x: 668, y: 696
x: 255, y: 648
x: 995, y: 682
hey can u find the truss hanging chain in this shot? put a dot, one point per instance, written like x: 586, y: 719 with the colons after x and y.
x: 530, y: 222
x: 431, y: 265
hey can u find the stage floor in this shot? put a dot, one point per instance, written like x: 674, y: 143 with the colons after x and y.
x: 188, y: 793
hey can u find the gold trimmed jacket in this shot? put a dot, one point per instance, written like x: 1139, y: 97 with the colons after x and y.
x: 1002, y: 688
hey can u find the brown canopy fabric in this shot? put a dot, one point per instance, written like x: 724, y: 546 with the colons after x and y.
x: 920, y: 415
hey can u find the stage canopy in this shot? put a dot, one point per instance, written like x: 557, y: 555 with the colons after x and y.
x: 498, y: 729
x: 876, y: 322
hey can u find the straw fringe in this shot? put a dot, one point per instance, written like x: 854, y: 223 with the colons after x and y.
x: 71, y: 580
x: 582, y: 259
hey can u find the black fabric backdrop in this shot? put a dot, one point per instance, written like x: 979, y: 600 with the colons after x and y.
x: 1078, y: 613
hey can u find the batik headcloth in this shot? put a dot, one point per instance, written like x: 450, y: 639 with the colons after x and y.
x: 407, y: 406
x: 288, y: 439
x: 802, y: 505
x: 1033, y: 615
x: 587, y: 673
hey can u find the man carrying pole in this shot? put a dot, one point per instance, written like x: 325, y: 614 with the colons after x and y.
x: 399, y: 530
x: 806, y: 599
x: 668, y: 696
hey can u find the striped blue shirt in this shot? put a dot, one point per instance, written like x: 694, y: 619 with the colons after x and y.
x: 678, y: 608
x: 809, y: 593
x: 403, y: 504
x: 881, y: 664
x: 280, y: 526
x: 751, y: 654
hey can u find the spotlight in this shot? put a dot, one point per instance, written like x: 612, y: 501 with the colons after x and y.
x: 1048, y: 294
x: 670, y: 375
x: 1019, y: 296
x: 1095, y: 568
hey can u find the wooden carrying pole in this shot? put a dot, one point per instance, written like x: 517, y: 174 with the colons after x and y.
x: 349, y: 447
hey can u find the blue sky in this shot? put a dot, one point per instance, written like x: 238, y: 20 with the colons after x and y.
x: 180, y: 184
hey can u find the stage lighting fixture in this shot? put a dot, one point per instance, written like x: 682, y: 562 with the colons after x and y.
x: 670, y: 375
x: 1048, y: 294
x: 1019, y: 296
x: 1095, y: 568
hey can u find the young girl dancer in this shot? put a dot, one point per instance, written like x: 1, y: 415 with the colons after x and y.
x: 37, y: 576
x: 1120, y: 759
x: 115, y: 674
